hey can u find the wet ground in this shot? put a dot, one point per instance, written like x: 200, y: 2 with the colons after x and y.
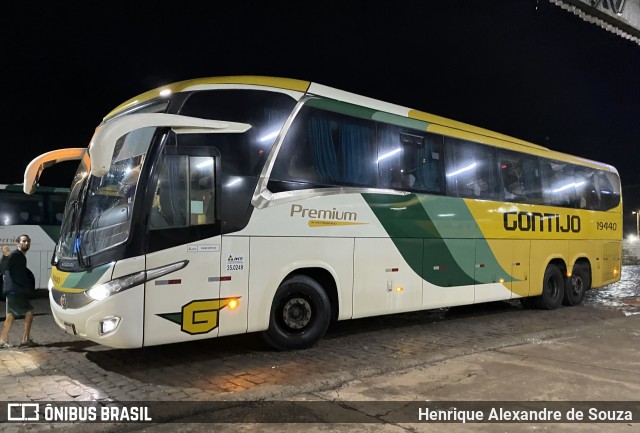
x: 66, y: 368
x: 622, y: 296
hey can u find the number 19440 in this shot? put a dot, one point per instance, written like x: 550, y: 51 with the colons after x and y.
x: 606, y: 226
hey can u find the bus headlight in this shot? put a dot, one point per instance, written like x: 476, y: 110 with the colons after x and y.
x: 102, y: 291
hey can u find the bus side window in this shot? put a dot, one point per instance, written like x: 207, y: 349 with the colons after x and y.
x: 511, y: 174
x: 342, y: 149
x: 431, y: 168
x: 301, y: 168
x: 421, y: 161
x: 356, y: 156
x: 531, y: 177
x: 558, y: 183
x: 389, y: 158
x: 409, y: 160
x: 470, y: 169
x: 519, y: 177
x: 324, y: 149
x: 169, y: 207
x: 608, y: 184
x: 588, y: 196
x: 297, y: 165
x: 157, y: 219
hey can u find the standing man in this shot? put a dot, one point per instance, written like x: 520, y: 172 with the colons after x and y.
x: 5, y: 253
x: 18, y: 284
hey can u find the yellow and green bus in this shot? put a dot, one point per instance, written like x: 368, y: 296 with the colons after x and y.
x: 226, y: 205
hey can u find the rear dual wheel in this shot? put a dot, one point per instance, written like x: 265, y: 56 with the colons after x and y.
x: 552, y: 289
x: 577, y: 284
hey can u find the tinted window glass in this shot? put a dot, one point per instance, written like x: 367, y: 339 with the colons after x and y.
x: 470, y: 169
x: 558, y: 183
x: 243, y: 154
x: 324, y: 149
x: 409, y: 160
x: 519, y: 177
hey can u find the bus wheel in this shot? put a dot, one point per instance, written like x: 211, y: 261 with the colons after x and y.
x: 552, y: 289
x: 577, y: 285
x: 300, y: 314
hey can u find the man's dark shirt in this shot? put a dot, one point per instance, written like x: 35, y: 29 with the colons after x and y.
x: 17, y: 278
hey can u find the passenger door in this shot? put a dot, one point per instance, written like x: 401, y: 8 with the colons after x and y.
x: 184, y: 227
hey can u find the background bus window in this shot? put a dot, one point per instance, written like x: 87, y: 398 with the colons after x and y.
x: 22, y: 209
x: 56, y: 206
x: 470, y: 169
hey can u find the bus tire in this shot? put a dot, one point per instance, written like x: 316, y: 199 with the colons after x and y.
x: 300, y: 314
x: 552, y: 289
x: 577, y: 285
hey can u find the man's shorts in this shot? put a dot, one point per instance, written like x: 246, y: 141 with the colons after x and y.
x: 18, y: 306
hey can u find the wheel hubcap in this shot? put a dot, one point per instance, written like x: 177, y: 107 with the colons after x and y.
x: 296, y: 313
x: 576, y: 286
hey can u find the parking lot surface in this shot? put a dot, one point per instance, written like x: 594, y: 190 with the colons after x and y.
x: 410, y: 356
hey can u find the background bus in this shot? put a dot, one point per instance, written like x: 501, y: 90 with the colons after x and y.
x: 38, y: 215
x: 227, y: 205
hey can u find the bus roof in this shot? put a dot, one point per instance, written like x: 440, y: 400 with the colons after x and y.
x: 437, y: 124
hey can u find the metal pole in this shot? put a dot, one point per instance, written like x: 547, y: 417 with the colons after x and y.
x: 638, y: 223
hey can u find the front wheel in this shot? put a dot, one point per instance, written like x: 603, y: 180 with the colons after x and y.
x: 552, y: 289
x: 300, y: 314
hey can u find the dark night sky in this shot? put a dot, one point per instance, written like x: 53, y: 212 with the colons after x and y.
x: 537, y: 73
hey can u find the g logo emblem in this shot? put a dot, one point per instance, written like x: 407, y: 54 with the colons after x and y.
x: 198, y: 317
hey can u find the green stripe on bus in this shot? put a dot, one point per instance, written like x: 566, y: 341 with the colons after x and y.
x: 444, y: 210
x: 341, y: 107
x: 405, y: 122
x: 84, y: 280
x: 451, y: 239
x: 367, y: 113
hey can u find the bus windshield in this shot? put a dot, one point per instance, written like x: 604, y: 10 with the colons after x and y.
x: 99, y: 215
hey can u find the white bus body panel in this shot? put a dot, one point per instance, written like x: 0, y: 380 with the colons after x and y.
x: 384, y: 282
x: 178, y: 306
x: 234, y: 265
x: 279, y: 256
